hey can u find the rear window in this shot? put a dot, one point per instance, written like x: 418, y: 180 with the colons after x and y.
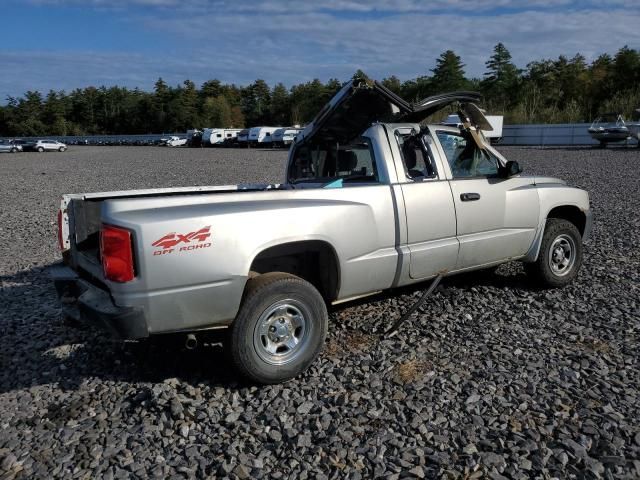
x: 353, y: 163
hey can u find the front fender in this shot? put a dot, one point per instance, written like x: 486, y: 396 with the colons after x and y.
x: 554, y: 195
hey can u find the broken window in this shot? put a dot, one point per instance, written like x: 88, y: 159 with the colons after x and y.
x: 465, y: 157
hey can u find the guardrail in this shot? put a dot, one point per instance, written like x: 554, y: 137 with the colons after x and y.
x: 542, y: 134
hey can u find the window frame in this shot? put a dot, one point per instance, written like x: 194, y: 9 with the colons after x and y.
x: 445, y: 158
x: 324, y: 181
x: 426, y: 151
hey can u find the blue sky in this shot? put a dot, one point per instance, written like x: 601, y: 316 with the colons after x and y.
x: 64, y: 44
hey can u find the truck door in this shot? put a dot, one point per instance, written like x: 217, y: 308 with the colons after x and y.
x: 429, y: 207
x: 496, y: 217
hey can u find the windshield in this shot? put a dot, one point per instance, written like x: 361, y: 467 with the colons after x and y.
x: 332, y: 163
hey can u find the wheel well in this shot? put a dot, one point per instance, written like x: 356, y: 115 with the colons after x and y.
x: 572, y: 214
x: 313, y: 260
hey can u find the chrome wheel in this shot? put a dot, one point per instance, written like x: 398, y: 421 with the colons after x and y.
x: 561, y: 255
x: 281, y: 332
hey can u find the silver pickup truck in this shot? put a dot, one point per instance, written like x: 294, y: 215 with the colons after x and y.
x: 372, y: 199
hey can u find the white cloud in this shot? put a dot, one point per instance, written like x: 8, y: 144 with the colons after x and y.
x: 298, y: 41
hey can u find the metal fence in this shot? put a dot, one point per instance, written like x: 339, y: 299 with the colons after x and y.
x: 537, y: 135
x: 103, y: 139
x: 541, y: 135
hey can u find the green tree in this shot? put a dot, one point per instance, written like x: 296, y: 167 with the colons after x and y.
x: 393, y: 83
x: 448, y: 74
x: 280, y: 109
x: 217, y: 112
x: 501, y: 79
x: 255, y: 102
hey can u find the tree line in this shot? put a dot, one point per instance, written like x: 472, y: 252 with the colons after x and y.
x: 562, y: 90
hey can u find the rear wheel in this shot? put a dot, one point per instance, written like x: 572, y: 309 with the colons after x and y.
x: 280, y: 328
x: 560, y: 256
x: 14, y: 150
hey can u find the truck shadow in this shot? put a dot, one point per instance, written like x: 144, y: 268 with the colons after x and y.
x: 38, y: 346
x: 514, y: 278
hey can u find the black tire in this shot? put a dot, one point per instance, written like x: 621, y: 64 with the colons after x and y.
x: 61, y: 149
x: 13, y: 150
x: 40, y: 149
x: 275, y: 304
x: 549, y: 270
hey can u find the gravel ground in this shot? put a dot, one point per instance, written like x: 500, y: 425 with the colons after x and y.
x: 493, y: 378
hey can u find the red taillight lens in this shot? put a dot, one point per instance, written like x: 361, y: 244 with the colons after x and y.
x: 116, y: 251
x: 60, y: 240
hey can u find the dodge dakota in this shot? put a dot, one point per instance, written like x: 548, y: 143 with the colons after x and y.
x: 373, y: 198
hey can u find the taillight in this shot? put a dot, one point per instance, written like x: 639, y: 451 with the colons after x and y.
x: 60, y: 240
x: 116, y: 250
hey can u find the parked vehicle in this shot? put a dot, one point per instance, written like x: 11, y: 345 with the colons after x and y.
x: 634, y: 126
x: 243, y: 137
x: 261, y: 136
x: 9, y: 146
x: 284, y: 137
x: 220, y: 136
x: 194, y: 138
x: 371, y: 200
x: 609, y: 128
x: 44, y: 146
x: 174, y: 141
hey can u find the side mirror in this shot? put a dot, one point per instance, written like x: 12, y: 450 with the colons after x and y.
x: 510, y: 169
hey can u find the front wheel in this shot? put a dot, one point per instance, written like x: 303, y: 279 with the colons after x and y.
x: 40, y: 149
x: 280, y: 328
x: 61, y: 149
x: 560, y: 256
x: 13, y: 150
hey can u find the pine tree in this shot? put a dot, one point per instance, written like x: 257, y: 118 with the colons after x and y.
x: 501, y: 79
x: 448, y: 75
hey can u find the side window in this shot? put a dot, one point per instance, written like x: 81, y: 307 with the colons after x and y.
x: 338, y: 165
x: 416, y: 158
x: 465, y: 158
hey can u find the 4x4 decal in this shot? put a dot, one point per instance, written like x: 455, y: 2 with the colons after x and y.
x: 185, y: 242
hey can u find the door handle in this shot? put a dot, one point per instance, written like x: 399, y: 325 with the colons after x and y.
x: 469, y: 197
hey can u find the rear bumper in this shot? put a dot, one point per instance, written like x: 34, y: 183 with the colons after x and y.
x: 87, y: 303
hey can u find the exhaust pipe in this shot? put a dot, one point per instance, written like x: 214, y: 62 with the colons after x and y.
x: 191, y: 342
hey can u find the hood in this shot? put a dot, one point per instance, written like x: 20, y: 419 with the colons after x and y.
x: 362, y: 102
x: 358, y: 104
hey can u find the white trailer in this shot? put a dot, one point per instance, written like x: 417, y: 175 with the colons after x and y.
x: 261, y: 135
x: 219, y: 136
x: 283, y: 137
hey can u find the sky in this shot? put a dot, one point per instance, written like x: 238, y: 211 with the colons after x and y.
x: 66, y: 44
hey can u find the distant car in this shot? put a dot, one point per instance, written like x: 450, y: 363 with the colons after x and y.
x: 176, y: 142
x: 10, y: 146
x: 45, y: 146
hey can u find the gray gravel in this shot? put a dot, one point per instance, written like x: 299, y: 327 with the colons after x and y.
x: 493, y: 378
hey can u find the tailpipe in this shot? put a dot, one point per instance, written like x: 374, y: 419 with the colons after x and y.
x: 191, y: 342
